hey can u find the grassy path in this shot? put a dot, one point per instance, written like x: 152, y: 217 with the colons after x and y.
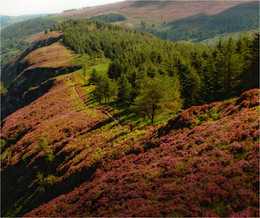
x: 105, y: 112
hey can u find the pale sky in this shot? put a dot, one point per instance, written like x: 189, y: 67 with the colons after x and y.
x: 22, y: 7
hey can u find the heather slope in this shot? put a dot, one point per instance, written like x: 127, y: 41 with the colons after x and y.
x: 14, y: 37
x: 156, y: 10
x: 76, y: 161
x: 13, y: 68
x: 209, y: 169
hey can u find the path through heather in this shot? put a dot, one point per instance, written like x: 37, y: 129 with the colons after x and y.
x: 106, y: 112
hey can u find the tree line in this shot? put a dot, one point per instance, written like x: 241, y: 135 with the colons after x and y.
x: 109, y: 18
x: 153, y: 75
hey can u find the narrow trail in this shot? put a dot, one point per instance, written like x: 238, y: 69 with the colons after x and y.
x: 74, y: 90
x: 73, y: 85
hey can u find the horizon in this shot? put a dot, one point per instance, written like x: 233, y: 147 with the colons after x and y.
x: 20, y: 8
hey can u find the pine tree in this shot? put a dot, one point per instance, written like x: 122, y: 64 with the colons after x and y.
x: 157, y: 94
x: 115, y: 69
x: 124, y: 91
x: 83, y: 74
x: 251, y: 76
x: 232, y: 69
x: 190, y: 84
x: 93, y: 77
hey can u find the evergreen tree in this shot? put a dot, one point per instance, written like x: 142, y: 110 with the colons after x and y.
x: 124, y: 90
x: 102, y: 90
x: 115, y: 69
x: 93, y: 77
x: 231, y: 69
x: 157, y: 94
x: 190, y: 84
x: 251, y: 76
x: 83, y: 74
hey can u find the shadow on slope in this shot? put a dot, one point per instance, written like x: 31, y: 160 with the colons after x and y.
x: 242, y: 17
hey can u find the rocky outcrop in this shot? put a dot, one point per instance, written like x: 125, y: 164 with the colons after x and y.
x: 15, y: 67
x: 28, y: 86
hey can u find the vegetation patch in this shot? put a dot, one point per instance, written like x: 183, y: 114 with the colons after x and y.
x: 53, y: 56
x: 109, y: 18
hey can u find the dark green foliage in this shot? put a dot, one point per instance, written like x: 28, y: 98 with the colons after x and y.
x: 109, y: 18
x: 125, y: 90
x: 157, y: 94
x: 105, y: 87
x: 205, y: 74
x: 93, y: 77
x: 115, y: 69
x: 251, y: 58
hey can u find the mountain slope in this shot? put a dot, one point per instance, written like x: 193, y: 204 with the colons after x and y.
x: 14, y: 37
x: 51, y: 152
x: 67, y: 150
x: 182, y: 20
x: 43, y: 59
x: 156, y: 10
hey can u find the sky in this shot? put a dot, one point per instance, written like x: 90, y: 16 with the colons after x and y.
x: 23, y: 7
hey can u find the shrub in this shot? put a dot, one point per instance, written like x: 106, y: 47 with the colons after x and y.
x: 43, y: 146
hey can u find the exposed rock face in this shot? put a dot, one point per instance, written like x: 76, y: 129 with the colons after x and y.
x: 28, y: 86
x: 26, y: 81
x: 14, y: 68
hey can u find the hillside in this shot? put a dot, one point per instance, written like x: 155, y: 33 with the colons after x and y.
x: 202, y: 169
x: 42, y: 60
x: 66, y: 146
x: 72, y: 160
x: 168, y: 11
x: 181, y: 20
x: 9, y: 20
x: 193, y: 21
x: 136, y: 59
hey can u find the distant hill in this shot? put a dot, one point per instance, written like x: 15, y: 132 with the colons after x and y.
x: 9, y: 20
x: 168, y: 11
x: 193, y: 21
x: 182, y: 20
